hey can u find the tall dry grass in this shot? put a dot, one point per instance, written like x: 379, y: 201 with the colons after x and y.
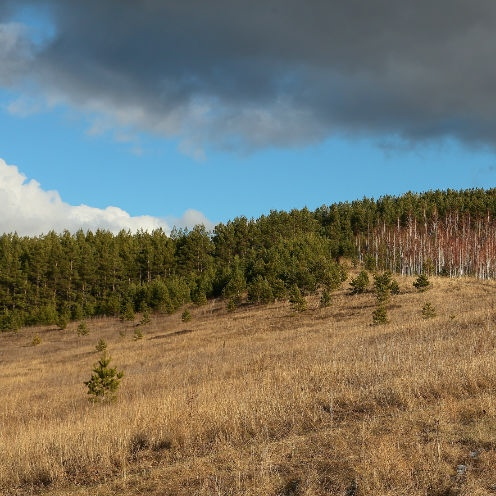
x: 262, y: 401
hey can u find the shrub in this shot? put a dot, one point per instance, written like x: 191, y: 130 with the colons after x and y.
x: 36, y: 340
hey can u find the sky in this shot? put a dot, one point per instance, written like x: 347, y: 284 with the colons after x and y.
x: 146, y: 114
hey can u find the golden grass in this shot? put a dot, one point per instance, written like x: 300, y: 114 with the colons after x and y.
x: 262, y: 401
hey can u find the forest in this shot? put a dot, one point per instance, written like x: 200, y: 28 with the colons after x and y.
x: 58, y: 277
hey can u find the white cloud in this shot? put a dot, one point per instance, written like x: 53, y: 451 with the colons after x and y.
x: 191, y: 218
x: 29, y: 210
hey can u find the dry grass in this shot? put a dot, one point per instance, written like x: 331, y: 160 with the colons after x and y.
x: 262, y: 402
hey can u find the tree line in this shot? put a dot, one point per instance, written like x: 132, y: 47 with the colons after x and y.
x: 71, y: 276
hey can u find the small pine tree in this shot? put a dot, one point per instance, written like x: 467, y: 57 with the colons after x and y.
x: 231, y: 305
x: 259, y: 291
x: 145, y: 319
x: 82, y: 329
x: 394, y: 287
x: 199, y: 298
x: 422, y: 283
x: 101, y: 346
x: 138, y: 334
x: 379, y: 315
x: 428, y: 311
x: 369, y: 262
x: 63, y: 321
x: 104, y: 382
x: 128, y: 312
x: 36, y: 340
x: 186, y: 316
x: 297, y: 300
x: 235, y: 287
x: 382, y: 287
x: 359, y: 283
x: 325, y: 299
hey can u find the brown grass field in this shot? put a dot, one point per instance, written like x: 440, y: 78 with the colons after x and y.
x: 262, y: 401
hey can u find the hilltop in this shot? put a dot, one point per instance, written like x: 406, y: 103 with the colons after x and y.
x: 261, y: 400
x: 58, y: 278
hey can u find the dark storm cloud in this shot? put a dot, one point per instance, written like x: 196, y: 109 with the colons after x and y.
x: 277, y: 72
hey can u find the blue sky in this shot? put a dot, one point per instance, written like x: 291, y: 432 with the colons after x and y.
x: 221, y: 130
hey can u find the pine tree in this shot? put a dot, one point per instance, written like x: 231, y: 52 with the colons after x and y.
x: 128, y: 312
x: 379, y: 315
x: 235, y: 287
x: 428, y: 311
x: 297, y: 300
x: 325, y: 299
x: 104, y: 381
x: 101, y: 346
x: 422, y: 283
x: 186, y: 316
x: 145, y: 318
x: 82, y: 329
x: 382, y: 287
x: 359, y: 283
x: 259, y: 291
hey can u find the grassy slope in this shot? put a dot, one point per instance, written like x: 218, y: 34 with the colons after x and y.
x: 262, y: 402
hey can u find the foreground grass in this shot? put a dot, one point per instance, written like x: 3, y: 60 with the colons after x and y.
x: 262, y: 401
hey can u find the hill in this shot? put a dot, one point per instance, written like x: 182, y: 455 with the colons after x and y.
x: 261, y: 401
x: 58, y: 278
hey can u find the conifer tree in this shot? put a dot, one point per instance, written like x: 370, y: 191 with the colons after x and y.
x: 145, y: 318
x: 382, y: 287
x: 186, y: 316
x: 422, y: 283
x: 260, y: 291
x: 379, y: 315
x: 325, y: 299
x: 235, y: 287
x: 101, y: 346
x: 105, y: 380
x: 297, y: 300
x: 359, y: 283
x: 82, y: 329
x: 428, y: 311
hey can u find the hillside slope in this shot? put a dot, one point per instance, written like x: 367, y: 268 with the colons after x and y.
x: 262, y: 401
